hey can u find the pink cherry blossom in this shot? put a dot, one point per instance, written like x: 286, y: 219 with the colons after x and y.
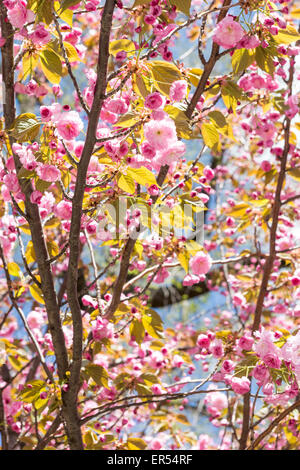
x: 190, y: 280
x: 154, y: 100
x: 178, y: 90
x: 63, y: 209
x: 200, y: 263
x: 48, y: 173
x: 40, y: 35
x: 11, y: 182
x: 117, y: 106
x: 203, y: 341
x: 260, y: 373
x: 171, y: 154
x: 160, y: 134
x: 46, y: 113
x: 240, y: 385
x: 216, y: 348
x: 36, y: 197
x: 69, y: 125
x: 246, y: 342
x: 228, y: 33
x: 18, y: 14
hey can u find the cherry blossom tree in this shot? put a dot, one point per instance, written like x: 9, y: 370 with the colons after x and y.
x: 147, y: 143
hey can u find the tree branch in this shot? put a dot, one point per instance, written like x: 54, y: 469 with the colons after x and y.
x: 274, y: 424
x: 99, y: 96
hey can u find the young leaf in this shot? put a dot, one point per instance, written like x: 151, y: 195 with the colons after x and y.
x: 137, y: 330
x: 218, y: 118
x: 264, y: 60
x: 51, y: 65
x: 210, y: 135
x: 71, y: 53
x: 182, y: 5
x: 126, y: 183
x: 241, y: 59
x: 30, y: 253
x: 142, y: 176
x: 181, y: 121
x: 184, y: 261
x: 64, y: 4
x: 65, y: 15
x: 25, y: 127
x: 139, y: 85
x: 36, y: 293
x: 13, y: 269
x: 287, y: 36
x: 136, y: 444
x: 128, y: 119
x: 42, y: 9
x: 164, y: 74
x: 98, y: 374
x: 194, y: 75
x: 121, y: 45
x: 29, y: 63
x: 295, y: 173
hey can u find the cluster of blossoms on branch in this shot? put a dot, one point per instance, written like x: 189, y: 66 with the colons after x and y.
x: 128, y: 128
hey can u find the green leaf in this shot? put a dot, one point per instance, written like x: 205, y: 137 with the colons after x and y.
x: 241, y: 59
x: 149, y: 379
x: 164, y: 74
x: 218, y: 118
x: 136, y: 444
x: 210, y: 135
x: 42, y: 9
x: 13, y: 269
x: 64, y: 4
x: 140, y: 2
x: 287, y: 36
x: 184, y: 261
x: 142, y: 176
x: 231, y: 93
x: 36, y: 293
x: 51, y: 65
x: 128, y: 119
x: 71, y: 53
x: 41, y: 185
x: 121, y: 45
x: 194, y: 75
x: 32, y: 391
x: 137, y: 330
x: 239, y: 210
x: 182, y: 5
x: 264, y: 60
x: 295, y: 173
x: 126, y: 183
x: 98, y: 374
x: 181, y: 121
x: 25, y: 127
x: 66, y: 15
x: 139, y: 85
